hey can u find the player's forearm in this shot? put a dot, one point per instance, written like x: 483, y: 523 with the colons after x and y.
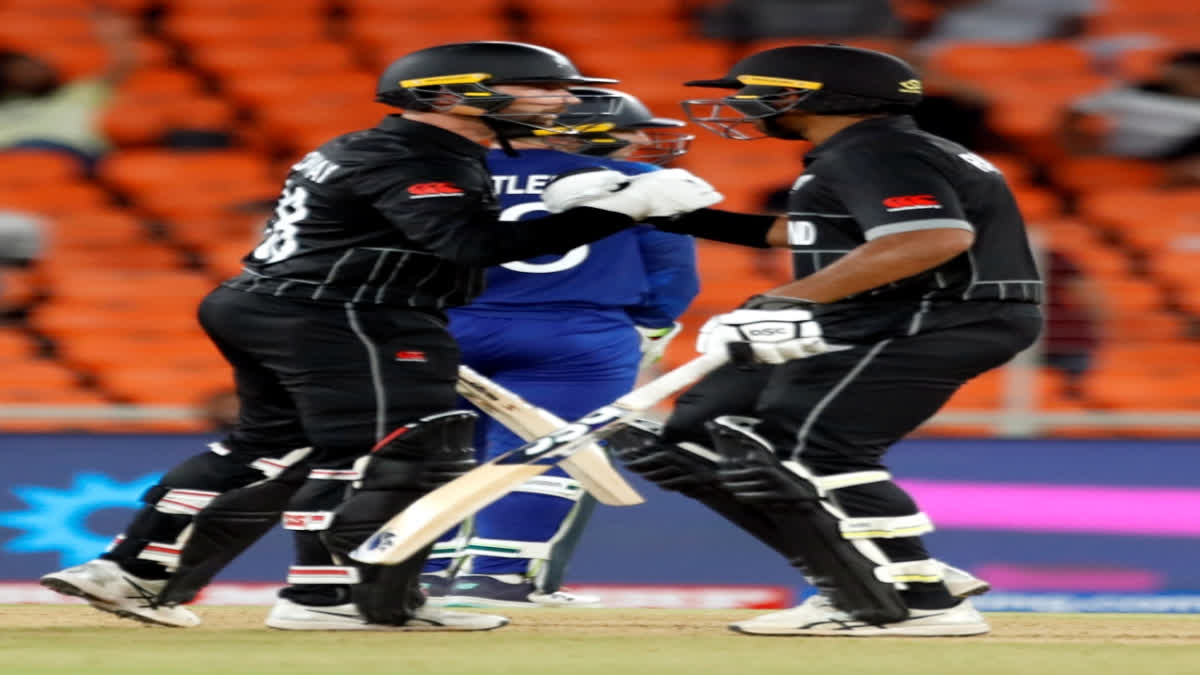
x: 743, y: 229
x: 879, y: 262
x: 494, y: 242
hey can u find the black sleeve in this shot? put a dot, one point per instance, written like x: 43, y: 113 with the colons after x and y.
x: 744, y: 229
x: 443, y: 209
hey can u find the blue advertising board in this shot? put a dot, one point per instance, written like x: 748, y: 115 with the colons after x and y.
x: 1059, y: 518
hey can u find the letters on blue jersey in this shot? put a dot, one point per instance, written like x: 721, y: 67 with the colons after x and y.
x: 609, y: 273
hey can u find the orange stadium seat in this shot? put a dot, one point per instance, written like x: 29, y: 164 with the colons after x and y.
x: 15, y: 345
x: 163, y: 81
x: 423, y: 9
x: 632, y: 10
x: 1084, y: 174
x: 386, y: 38
x: 106, y: 351
x: 252, y: 60
x: 240, y: 8
x: 199, y: 30
x: 980, y: 60
x: 27, y: 167
x: 54, y: 198
x: 141, y: 171
x: 165, y: 386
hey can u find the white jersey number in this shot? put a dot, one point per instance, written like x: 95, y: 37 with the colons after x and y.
x: 280, y: 239
x: 572, y: 258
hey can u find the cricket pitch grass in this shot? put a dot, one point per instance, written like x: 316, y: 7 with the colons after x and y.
x: 76, y: 640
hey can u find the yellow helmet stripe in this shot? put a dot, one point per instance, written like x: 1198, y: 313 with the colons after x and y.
x: 577, y: 129
x: 764, y: 81
x: 462, y: 78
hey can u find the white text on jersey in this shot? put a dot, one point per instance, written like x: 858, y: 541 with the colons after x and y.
x: 508, y: 185
x: 315, y: 167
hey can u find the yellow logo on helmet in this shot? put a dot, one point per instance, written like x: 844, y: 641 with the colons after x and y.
x: 765, y: 81
x: 462, y: 78
x: 911, y: 87
x: 576, y: 129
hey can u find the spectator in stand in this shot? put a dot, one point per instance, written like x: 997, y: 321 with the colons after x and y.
x: 39, y: 110
x: 1157, y: 120
x: 1074, y: 316
x: 1003, y: 21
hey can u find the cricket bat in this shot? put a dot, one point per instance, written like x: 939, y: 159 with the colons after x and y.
x: 589, y: 464
x: 427, y: 518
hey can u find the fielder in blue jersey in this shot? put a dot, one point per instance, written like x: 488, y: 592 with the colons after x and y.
x: 567, y: 333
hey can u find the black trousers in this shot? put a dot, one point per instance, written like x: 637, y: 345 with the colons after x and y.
x: 336, y: 377
x: 840, y: 411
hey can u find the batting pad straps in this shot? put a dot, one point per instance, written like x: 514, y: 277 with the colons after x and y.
x: 926, y: 571
x: 886, y: 527
x: 505, y: 548
x: 322, y: 574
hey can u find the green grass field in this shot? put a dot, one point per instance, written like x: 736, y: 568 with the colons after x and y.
x: 78, y: 641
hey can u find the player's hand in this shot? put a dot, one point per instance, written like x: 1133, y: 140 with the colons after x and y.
x: 656, y: 194
x: 655, y: 341
x: 671, y: 192
x: 772, y: 336
x: 581, y: 186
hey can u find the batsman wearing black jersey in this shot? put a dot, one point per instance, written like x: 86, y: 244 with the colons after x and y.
x: 345, y: 370
x: 912, y: 275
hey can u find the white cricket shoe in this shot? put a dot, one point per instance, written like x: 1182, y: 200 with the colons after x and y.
x: 962, y: 583
x: 287, y: 615
x: 109, y: 588
x: 818, y: 617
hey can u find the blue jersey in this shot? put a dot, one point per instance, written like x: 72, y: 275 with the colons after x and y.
x: 651, y: 275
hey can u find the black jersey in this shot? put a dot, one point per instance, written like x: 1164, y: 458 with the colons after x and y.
x: 375, y: 217
x: 885, y: 176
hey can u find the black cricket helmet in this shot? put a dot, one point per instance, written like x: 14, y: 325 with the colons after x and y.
x: 828, y: 79
x: 577, y: 130
x: 462, y: 74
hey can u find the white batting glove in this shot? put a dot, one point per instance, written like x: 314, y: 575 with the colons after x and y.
x: 675, y: 191
x: 774, y: 336
x: 595, y: 187
x: 656, y: 194
x: 655, y: 341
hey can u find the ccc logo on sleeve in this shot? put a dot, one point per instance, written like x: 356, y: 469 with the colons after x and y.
x: 435, y: 189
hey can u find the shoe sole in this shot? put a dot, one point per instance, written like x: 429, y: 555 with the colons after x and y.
x: 64, y: 587
x: 489, y: 603
x: 311, y: 625
x: 964, y: 630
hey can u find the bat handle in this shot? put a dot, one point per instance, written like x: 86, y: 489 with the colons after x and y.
x: 646, y: 396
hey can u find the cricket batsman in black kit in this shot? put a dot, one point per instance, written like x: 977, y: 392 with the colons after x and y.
x: 337, y: 335
x: 912, y: 275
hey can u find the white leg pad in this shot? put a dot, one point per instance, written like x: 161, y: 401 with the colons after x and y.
x: 928, y: 571
x: 503, y: 548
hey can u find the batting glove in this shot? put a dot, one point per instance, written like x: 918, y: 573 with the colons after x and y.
x: 655, y: 341
x: 773, y: 336
x: 656, y: 194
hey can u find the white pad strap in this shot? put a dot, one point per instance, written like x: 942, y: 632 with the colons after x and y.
x: 322, y: 574
x: 838, y: 481
x: 451, y: 548
x: 554, y: 486
x: 184, y: 502
x: 167, y: 554
x: 273, y: 466
x: 886, y: 527
x: 926, y: 571
x: 333, y: 474
x: 307, y: 520
x: 504, y: 548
